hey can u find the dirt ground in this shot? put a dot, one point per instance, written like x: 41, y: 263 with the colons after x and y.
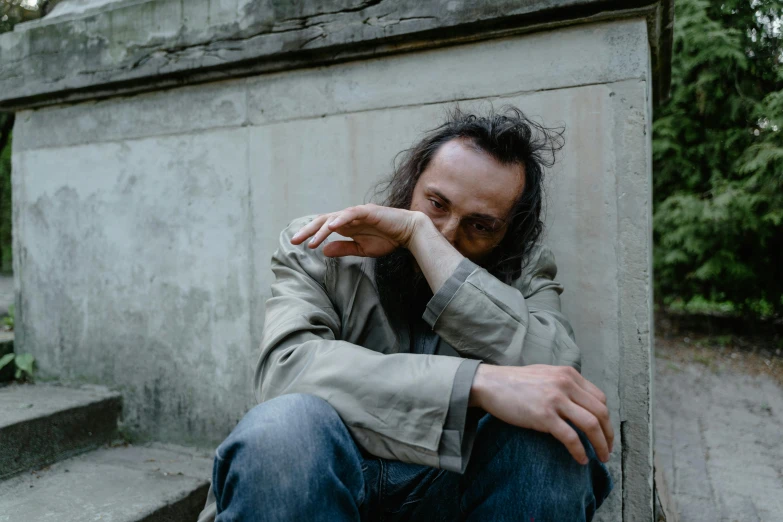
x: 753, y: 356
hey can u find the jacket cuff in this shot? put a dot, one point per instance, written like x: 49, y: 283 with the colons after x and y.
x: 459, y: 430
x: 438, y: 303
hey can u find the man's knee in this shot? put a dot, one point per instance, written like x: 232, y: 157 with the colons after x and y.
x: 283, y: 430
x: 283, y: 456
x: 536, y: 462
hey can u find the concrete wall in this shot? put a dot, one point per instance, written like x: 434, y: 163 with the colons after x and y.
x: 144, y: 225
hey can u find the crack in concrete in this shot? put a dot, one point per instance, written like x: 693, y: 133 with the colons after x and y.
x: 624, y: 460
x: 360, y: 7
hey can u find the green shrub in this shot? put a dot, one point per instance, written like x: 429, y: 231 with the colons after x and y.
x: 718, y: 158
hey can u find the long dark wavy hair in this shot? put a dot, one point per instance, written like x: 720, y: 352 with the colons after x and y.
x: 509, y: 137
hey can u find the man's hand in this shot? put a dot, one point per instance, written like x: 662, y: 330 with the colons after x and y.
x: 375, y: 230
x: 543, y: 398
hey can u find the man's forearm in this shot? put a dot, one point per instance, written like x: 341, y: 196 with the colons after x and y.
x: 436, y: 257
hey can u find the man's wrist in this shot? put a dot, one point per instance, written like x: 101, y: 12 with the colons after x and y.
x: 478, y: 389
x: 436, y: 257
x: 424, y: 237
x: 420, y: 223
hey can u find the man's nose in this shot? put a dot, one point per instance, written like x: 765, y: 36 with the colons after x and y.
x: 449, y: 230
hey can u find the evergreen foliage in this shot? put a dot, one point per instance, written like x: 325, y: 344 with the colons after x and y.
x: 718, y: 158
x: 12, y: 12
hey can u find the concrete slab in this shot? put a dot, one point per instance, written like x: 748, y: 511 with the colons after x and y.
x: 94, y: 48
x: 127, y: 484
x: 40, y: 424
x: 154, y: 297
x: 6, y: 293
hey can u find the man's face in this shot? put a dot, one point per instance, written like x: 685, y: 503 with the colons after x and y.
x: 468, y: 195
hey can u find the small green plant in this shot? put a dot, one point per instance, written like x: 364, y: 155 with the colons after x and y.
x: 24, y: 362
x: 9, y: 319
x: 723, y: 340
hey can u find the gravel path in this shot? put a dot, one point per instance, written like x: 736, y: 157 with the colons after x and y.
x: 719, y: 439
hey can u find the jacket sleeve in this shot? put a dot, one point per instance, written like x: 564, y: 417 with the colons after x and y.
x: 394, y: 404
x: 512, y: 325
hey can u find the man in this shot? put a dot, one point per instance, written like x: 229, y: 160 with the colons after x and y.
x: 422, y: 369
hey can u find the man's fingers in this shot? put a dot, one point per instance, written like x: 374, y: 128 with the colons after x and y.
x: 601, y: 412
x: 309, y: 229
x: 320, y: 235
x: 588, y: 423
x: 342, y: 248
x: 596, y: 406
x: 570, y: 439
x: 345, y: 217
x: 348, y: 215
x: 592, y: 389
x: 583, y: 383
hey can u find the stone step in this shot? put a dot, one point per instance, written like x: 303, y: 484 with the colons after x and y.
x: 41, y: 424
x: 149, y: 483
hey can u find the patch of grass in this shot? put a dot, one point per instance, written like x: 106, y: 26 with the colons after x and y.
x: 700, y: 305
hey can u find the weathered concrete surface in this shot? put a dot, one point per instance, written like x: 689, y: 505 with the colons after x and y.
x: 135, y: 271
x: 144, y: 225
x: 633, y: 248
x: 86, y: 49
x: 42, y: 424
x: 126, y: 484
x: 584, y: 55
x: 6, y: 293
x: 719, y: 438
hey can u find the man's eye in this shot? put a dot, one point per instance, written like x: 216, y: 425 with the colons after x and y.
x: 483, y: 229
x: 436, y: 204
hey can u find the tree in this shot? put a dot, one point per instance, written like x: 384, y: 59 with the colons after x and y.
x: 12, y: 12
x: 718, y: 157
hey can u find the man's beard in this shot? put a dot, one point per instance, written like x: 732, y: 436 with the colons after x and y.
x: 402, y: 287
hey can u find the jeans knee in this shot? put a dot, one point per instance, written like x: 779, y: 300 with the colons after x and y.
x: 534, y: 460
x: 287, y: 428
x: 283, y: 456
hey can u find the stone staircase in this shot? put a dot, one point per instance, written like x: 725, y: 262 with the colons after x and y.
x: 61, y: 459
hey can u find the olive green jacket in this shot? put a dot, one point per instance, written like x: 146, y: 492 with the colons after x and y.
x: 326, y: 334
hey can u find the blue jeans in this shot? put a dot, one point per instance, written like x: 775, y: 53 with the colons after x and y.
x: 292, y: 459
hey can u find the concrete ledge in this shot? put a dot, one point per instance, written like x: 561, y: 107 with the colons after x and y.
x: 606, y: 52
x: 41, y: 424
x: 93, y: 49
